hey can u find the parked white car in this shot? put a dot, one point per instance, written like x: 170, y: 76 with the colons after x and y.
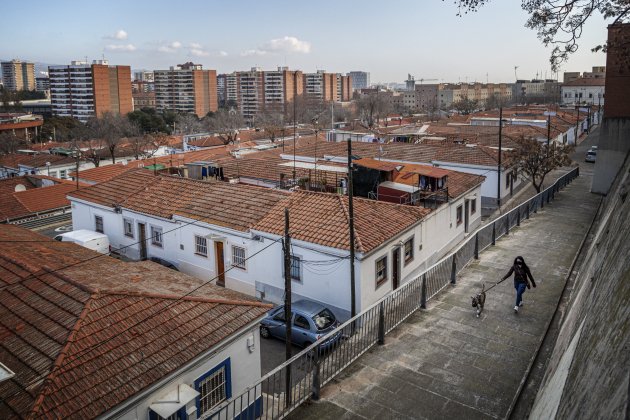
x: 95, y: 241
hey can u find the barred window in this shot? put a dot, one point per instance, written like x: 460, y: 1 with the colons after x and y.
x: 381, y: 271
x: 409, y: 250
x: 213, y: 390
x: 98, y: 224
x: 156, y: 236
x: 201, y: 246
x: 238, y: 257
x: 128, y: 226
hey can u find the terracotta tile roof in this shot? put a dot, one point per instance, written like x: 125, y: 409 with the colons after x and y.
x: 33, y: 199
x: 234, y: 206
x: 458, y: 182
x: 103, y: 173
x: 34, y: 161
x: 379, y: 165
x: 79, y: 348
x: 322, y: 219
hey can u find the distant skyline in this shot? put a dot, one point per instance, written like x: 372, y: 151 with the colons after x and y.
x: 425, y: 39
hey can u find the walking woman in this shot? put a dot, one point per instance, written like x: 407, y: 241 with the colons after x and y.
x: 522, y: 276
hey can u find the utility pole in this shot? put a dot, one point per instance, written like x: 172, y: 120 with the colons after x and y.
x: 577, y: 124
x: 499, y: 160
x: 77, y: 164
x: 294, y: 121
x: 548, y: 131
x: 287, y: 304
x: 353, y: 307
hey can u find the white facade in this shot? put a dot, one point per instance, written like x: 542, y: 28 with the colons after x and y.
x: 238, y: 357
x: 591, y: 95
x: 174, y: 90
x: 323, y: 271
x: 314, y: 84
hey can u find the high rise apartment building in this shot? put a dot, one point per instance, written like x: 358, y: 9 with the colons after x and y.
x: 186, y: 88
x: 81, y: 90
x: 227, y: 89
x: 258, y: 90
x: 360, y: 79
x: 18, y: 75
x: 321, y: 86
x: 344, y: 88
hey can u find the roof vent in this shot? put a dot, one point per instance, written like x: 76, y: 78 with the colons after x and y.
x: 19, y: 188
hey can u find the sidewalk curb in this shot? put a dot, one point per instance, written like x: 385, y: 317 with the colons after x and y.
x: 550, y: 321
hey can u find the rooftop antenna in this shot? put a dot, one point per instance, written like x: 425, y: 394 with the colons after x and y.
x: 486, y: 78
x: 515, y: 76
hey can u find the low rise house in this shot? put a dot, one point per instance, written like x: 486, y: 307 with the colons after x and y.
x: 211, y: 229
x: 84, y: 335
x: 39, y: 164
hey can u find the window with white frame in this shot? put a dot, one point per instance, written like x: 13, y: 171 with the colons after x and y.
x: 296, y: 268
x: 156, y: 236
x: 238, y: 257
x: 128, y: 227
x: 381, y: 271
x: 213, y: 387
x: 62, y: 173
x: 98, y: 224
x: 201, y: 246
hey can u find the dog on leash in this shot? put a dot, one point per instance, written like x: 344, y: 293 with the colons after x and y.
x: 479, y: 300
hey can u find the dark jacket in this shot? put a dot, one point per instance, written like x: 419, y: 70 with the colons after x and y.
x: 520, y: 275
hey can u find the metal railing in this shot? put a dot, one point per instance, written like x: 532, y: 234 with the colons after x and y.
x: 283, y: 389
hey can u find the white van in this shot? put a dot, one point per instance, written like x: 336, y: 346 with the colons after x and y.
x: 95, y: 241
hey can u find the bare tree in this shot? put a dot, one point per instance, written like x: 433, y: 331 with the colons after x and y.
x: 112, y: 128
x: 536, y: 160
x: 559, y: 23
x: 465, y: 105
x: 225, y: 124
x: 188, y: 124
x: 10, y: 143
x: 372, y: 107
x: 271, y: 122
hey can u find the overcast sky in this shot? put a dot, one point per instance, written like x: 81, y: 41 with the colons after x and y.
x: 387, y: 38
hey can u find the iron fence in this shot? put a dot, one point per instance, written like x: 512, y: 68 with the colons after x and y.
x: 283, y: 389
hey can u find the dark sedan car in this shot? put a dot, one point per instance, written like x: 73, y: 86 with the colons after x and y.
x: 310, y: 322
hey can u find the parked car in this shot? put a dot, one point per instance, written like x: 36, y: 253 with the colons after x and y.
x: 591, y: 155
x: 165, y: 263
x: 95, y: 241
x: 310, y: 322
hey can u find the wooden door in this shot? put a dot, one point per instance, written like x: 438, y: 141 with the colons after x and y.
x: 142, y: 236
x: 218, y: 252
x: 396, y: 268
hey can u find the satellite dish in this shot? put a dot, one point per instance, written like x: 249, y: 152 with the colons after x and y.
x: 19, y: 188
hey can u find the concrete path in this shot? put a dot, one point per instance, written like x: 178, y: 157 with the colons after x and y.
x: 446, y: 363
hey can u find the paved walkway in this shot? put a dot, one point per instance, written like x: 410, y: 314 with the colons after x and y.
x: 446, y: 363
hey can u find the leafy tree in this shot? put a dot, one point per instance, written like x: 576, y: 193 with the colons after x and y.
x: 150, y: 121
x: 559, y: 23
x: 62, y: 129
x: 536, y: 160
x: 225, y: 124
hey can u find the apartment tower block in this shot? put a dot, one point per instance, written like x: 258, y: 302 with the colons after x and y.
x: 186, y: 88
x: 18, y: 75
x: 81, y: 90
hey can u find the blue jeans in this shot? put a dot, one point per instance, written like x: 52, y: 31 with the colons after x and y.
x: 520, y: 289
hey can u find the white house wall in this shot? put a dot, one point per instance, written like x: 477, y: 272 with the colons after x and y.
x: 245, y: 370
